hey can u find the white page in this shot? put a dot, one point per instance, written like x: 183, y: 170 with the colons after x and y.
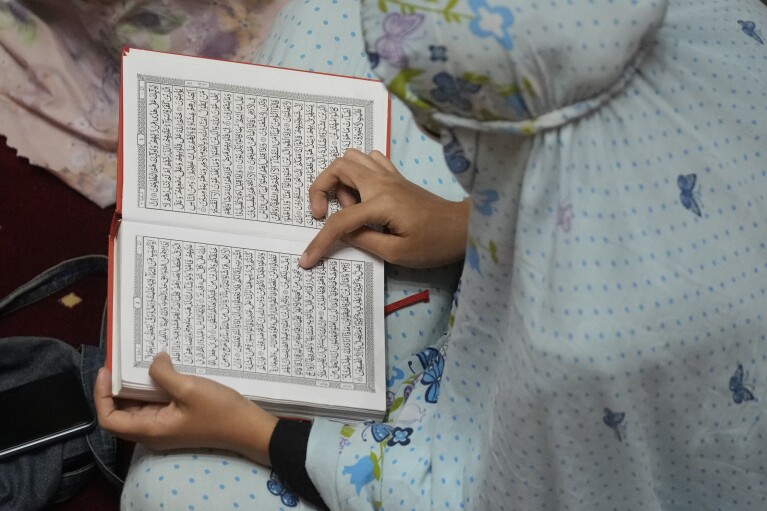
x: 208, y: 300
x: 221, y: 145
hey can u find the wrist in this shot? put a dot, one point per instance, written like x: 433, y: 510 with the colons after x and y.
x: 251, y: 433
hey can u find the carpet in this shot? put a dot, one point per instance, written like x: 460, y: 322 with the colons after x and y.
x: 43, y: 222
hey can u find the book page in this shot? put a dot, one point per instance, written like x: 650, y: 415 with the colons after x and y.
x: 221, y: 145
x: 241, y: 310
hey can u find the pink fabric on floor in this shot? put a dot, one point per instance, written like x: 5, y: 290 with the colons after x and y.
x: 61, y: 64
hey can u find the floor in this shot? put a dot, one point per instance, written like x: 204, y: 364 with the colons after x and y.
x: 43, y: 222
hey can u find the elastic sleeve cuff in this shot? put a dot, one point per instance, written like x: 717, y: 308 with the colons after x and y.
x: 287, y: 452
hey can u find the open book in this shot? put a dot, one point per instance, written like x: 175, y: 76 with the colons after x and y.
x: 216, y: 159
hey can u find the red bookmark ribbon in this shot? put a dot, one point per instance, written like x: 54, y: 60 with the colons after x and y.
x: 423, y: 296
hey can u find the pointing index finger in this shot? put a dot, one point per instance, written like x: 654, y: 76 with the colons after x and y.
x: 349, y: 170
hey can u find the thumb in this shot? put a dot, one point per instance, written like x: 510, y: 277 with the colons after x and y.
x: 102, y: 395
x: 165, y: 376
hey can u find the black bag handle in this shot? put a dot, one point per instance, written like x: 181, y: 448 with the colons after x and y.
x: 52, y: 280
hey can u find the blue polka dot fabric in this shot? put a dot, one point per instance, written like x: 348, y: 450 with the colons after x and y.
x: 203, y: 480
x: 608, y: 348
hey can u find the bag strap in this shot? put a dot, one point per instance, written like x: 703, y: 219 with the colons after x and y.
x: 53, y: 280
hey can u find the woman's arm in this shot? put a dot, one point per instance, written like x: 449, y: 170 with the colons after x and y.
x: 200, y: 413
x: 204, y: 413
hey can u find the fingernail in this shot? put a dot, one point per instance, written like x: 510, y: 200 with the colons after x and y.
x: 303, y: 260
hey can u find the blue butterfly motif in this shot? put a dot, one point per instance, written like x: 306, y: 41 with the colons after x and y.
x: 686, y: 185
x: 614, y: 421
x: 453, y: 90
x: 379, y: 430
x: 398, y: 375
x: 433, y: 365
x: 483, y: 201
x: 740, y: 392
x: 454, y: 156
x: 749, y: 28
x: 276, y: 486
x: 438, y: 52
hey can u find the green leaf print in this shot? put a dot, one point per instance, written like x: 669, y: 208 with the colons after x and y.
x: 528, y: 128
x: 475, y: 78
x: 398, y: 87
x: 528, y: 86
x: 508, y: 90
x: 411, y: 8
x: 513, y: 88
x: 493, y: 249
x: 396, y: 404
x: 13, y: 15
x: 376, y: 466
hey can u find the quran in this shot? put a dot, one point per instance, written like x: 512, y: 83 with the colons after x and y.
x: 212, y: 216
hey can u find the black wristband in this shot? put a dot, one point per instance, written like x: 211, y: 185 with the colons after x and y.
x: 287, y: 452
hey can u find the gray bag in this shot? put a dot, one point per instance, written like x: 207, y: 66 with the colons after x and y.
x: 57, y: 471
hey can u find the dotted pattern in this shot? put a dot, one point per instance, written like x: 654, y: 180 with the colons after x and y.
x: 196, y: 481
x: 610, y: 339
x: 608, y: 350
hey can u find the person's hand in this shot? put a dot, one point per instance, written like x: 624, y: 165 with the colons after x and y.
x: 421, y: 229
x: 201, y: 413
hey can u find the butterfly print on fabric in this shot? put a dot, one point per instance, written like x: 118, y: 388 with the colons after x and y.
x: 454, y: 156
x: 277, y: 487
x: 749, y: 28
x: 453, y: 90
x: 398, y: 375
x: 615, y: 421
x: 740, y: 393
x: 687, y: 195
x: 397, y: 28
x: 433, y: 365
x: 379, y: 430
